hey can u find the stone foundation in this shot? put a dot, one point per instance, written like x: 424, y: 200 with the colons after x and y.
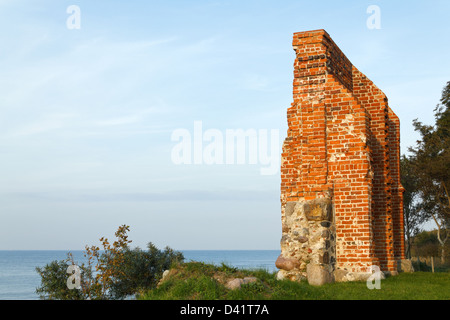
x: 308, y: 238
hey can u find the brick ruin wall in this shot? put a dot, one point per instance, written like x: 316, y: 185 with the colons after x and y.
x: 341, y: 197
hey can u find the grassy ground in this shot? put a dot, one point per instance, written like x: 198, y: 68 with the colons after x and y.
x: 199, y: 281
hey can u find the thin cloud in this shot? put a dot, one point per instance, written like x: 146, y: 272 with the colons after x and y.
x: 127, y: 119
x: 45, y: 124
x: 176, y: 195
x: 118, y: 121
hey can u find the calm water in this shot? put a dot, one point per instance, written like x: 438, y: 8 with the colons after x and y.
x: 18, y: 278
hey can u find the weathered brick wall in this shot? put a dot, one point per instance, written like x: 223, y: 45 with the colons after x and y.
x: 341, y: 156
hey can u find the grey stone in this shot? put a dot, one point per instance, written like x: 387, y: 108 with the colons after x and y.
x: 325, y: 224
x: 250, y: 280
x: 292, y: 276
x: 340, y: 275
x: 285, y: 238
x: 238, y: 282
x: 165, y: 274
x: 317, y: 275
x: 324, y: 258
x: 405, y: 265
x: 289, y: 209
x: 302, y: 239
x: 281, y: 275
x: 234, y: 284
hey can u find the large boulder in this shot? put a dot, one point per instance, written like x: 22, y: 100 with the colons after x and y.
x: 286, y: 263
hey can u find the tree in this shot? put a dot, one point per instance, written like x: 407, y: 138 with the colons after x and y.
x: 411, y: 213
x: 431, y: 163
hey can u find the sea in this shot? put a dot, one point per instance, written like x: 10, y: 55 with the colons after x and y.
x: 19, y: 279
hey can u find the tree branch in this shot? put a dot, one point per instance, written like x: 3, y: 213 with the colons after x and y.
x: 446, y: 192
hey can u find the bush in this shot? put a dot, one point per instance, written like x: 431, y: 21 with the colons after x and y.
x: 54, y: 281
x: 142, y: 270
x: 116, y: 272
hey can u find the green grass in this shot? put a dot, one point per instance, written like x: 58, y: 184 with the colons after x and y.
x: 199, y: 281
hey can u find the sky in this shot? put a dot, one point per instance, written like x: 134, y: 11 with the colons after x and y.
x: 97, y: 100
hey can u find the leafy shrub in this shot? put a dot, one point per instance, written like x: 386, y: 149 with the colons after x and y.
x: 142, y: 270
x: 115, y: 272
x: 54, y: 281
